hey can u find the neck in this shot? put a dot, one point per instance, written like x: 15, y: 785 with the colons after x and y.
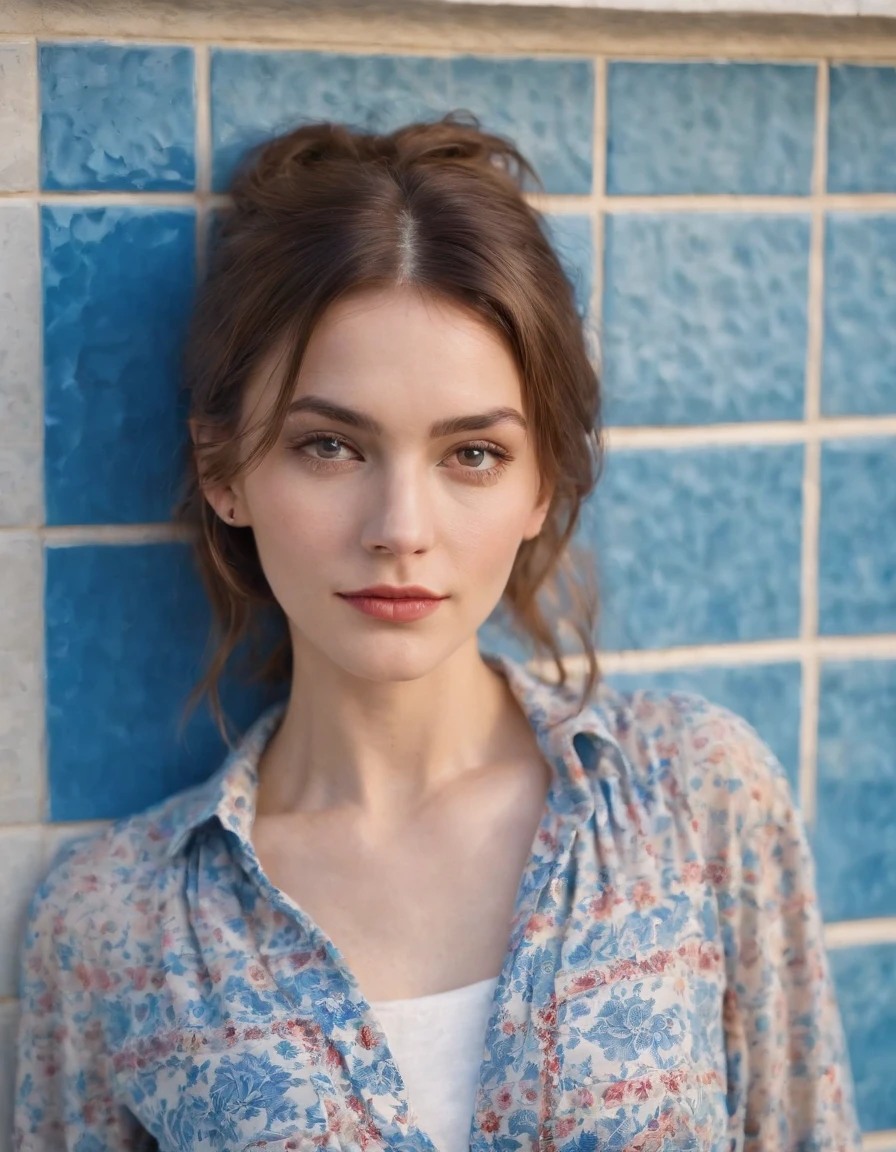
x: 382, y: 751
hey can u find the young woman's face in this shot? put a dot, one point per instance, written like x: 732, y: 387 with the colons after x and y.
x: 369, y: 484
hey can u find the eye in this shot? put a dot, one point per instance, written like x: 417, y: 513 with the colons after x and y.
x: 474, y: 461
x: 320, y: 449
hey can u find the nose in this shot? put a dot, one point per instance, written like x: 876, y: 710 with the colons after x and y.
x: 398, y: 517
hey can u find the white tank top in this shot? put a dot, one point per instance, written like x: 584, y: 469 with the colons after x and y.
x: 438, y: 1042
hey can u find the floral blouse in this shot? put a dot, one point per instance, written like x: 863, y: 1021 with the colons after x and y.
x: 665, y: 984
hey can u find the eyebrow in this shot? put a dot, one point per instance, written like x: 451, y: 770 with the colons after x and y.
x: 475, y: 422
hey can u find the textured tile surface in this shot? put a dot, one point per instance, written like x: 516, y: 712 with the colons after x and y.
x: 18, y: 117
x: 126, y: 629
x: 859, y: 374
x: 862, y: 129
x: 572, y: 240
x: 116, y: 117
x: 865, y: 979
x: 704, y: 318
x: 698, y: 546
x: 546, y: 105
x: 710, y: 127
x: 766, y: 695
x: 857, y: 543
x: 21, y: 676
x: 22, y: 867
x: 21, y: 484
x: 118, y: 283
x: 856, y: 806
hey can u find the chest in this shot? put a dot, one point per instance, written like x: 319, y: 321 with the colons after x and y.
x: 419, y: 911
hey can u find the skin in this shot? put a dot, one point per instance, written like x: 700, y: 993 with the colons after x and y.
x: 403, y: 766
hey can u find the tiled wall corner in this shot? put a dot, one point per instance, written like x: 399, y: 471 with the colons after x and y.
x: 21, y: 448
x: 18, y: 116
x: 21, y: 676
x: 730, y: 228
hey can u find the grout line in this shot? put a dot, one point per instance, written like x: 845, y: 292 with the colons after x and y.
x: 853, y: 933
x: 872, y: 202
x: 68, y: 536
x: 772, y: 432
x: 734, y: 654
x: 811, y: 671
x: 879, y: 1141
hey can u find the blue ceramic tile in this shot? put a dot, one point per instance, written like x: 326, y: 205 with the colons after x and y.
x: 862, y: 129
x: 865, y: 980
x: 546, y: 106
x: 255, y: 95
x: 572, y: 241
x: 766, y: 695
x: 698, y: 546
x: 117, y: 286
x: 126, y: 629
x: 708, y: 127
x: 859, y: 368
x: 857, y: 541
x: 704, y: 318
x: 116, y: 117
x: 856, y: 804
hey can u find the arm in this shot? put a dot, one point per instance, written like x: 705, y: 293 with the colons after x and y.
x: 64, y: 1096
x: 790, y: 1084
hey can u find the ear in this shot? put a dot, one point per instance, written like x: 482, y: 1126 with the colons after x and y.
x: 225, y: 499
x: 539, y: 514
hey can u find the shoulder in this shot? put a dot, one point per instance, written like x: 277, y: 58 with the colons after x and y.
x: 97, y: 883
x: 702, y: 756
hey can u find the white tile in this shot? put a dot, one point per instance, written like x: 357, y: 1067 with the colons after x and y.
x: 9, y: 1025
x: 22, y: 866
x: 21, y: 402
x: 21, y: 675
x: 18, y: 116
x: 57, y: 836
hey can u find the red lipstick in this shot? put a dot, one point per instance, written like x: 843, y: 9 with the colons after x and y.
x: 392, y: 602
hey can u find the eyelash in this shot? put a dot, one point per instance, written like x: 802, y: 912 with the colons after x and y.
x: 478, y: 476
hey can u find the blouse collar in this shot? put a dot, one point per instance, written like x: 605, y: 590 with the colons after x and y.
x: 553, y: 712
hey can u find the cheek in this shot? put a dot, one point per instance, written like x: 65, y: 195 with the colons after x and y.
x: 292, y: 519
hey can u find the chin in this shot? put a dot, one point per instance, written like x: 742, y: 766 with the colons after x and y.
x: 391, y: 659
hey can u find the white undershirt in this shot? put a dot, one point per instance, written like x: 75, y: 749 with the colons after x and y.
x: 438, y: 1042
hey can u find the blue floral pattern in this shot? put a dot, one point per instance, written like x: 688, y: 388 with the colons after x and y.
x: 665, y: 984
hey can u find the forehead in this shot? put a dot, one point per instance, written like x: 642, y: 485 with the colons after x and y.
x: 382, y: 347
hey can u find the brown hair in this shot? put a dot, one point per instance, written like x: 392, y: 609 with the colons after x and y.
x: 321, y: 211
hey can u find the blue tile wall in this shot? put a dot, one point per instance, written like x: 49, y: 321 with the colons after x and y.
x: 859, y: 375
x: 547, y: 105
x: 705, y: 317
x: 572, y: 240
x: 766, y: 695
x: 126, y: 628
x: 116, y: 118
x: 117, y: 285
x: 862, y: 129
x: 854, y: 843
x: 865, y: 979
x: 699, y: 546
x: 705, y: 127
x: 857, y: 544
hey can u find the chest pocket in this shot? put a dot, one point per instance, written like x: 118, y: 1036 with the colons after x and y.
x: 641, y: 1065
x: 246, y: 1097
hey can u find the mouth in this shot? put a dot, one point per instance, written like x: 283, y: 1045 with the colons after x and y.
x: 397, y: 605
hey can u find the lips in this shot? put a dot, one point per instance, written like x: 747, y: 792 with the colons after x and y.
x: 397, y: 605
x: 396, y: 592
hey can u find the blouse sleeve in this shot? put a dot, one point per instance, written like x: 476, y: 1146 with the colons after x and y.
x: 63, y: 1089
x: 790, y: 1083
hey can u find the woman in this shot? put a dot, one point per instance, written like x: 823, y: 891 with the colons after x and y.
x: 433, y: 900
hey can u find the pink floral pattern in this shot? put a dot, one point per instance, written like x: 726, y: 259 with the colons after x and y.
x: 665, y: 984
